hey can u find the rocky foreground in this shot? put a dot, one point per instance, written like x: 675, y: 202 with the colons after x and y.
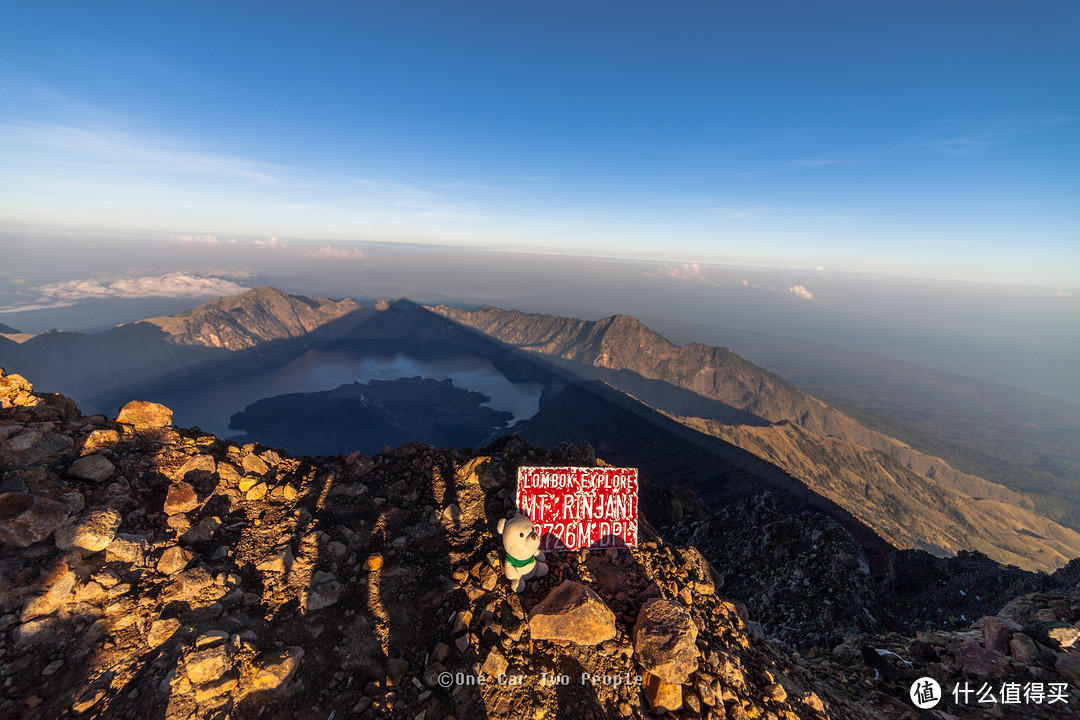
x: 149, y: 571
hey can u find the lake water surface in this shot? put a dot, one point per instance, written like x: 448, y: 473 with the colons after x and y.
x: 210, y: 405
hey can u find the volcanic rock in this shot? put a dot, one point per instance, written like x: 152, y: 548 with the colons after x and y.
x: 979, y: 661
x: 997, y: 632
x: 324, y: 592
x: 255, y: 465
x: 95, y: 468
x: 180, y: 499
x: 662, y: 696
x: 32, y: 446
x: 1068, y: 666
x: 277, y: 672
x: 145, y: 415
x: 572, y: 613
x: 26, y: 519
x: 127, y: 549
x: 279, y: 562
x: 1051, y: 633
x: 1023, y: 649
x: 196, y: 468
x: 55, y: 586
x: 207, y: 665
x: 91, y: 532
x: 161, y: 631
x: 495, y: 664
x: 174, y: 559
x: 664, y: 640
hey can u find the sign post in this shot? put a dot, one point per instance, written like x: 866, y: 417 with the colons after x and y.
x: 574, y: 508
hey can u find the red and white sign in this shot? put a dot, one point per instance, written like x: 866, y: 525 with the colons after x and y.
x: 580, y: 507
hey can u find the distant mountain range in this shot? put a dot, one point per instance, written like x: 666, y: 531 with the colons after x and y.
x: 688, y: 415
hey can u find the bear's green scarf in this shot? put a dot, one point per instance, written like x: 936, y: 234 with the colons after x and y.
x: 518, y: 563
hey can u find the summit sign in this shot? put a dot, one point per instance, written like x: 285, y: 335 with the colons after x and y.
x: 575, y: 508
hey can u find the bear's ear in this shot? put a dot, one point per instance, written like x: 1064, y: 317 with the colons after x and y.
x: 501, y: 525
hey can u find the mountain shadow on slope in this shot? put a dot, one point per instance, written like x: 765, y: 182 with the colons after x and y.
x: 627, y: 432
x: 367, y: 417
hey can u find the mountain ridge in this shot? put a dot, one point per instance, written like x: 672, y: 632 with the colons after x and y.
x: 695, y: 383
x: 698, y: 367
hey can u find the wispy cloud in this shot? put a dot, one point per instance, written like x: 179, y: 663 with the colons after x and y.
x: 334, y: 253
x: 170, y: 285
x: 775, y: 214
x: 687, y: 272
x: 199, y: 239
x: 974, y: 138
x: 99, y: 174
x: 116, y: 150
x: 464, y: 185
x: 272, y: 243
x: 28, y: 306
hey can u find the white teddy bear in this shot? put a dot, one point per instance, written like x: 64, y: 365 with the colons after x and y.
x: 521, y: 544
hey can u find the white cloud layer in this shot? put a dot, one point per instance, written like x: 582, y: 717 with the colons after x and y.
x: 170, y: 285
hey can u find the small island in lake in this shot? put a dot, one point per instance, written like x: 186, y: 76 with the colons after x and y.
x: 369, y: 416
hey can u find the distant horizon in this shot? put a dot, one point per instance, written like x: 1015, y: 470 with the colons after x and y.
x: 983, y: 331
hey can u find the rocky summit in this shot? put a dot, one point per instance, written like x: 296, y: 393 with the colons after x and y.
x: 150, y: 571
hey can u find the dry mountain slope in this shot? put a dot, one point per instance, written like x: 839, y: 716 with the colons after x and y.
x: 622, y: 342
x: 611, y: 347
x: 906, y: 508
x: 257, y: 316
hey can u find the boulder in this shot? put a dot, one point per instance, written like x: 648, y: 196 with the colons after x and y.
x: 276, y: 673
x: 161, y: 631
x: 91, y: 532
x: 978, y: 661
x: 255, y: 465
x: 26, y: 519
x: 495, y: 664
x: 56, y: 586
x: 144, y: 415
x: 1068, y: 666
x: 181, y: 498
x: 203, y: 531
x: 95, y: 468
x: 324, y: 592
x: 662, y: 696
x: 572, y: 613
x: 196, y: 468
x: 174, y: 559
x: 1023, y: 649
x: 207, y: 665
x: 99, y: 440
x: 280, y: 561
x: 665, y: 640
x: 31, y: 446
x: 997, y: 632
x: 1054, y: 634
x: 126, y: 548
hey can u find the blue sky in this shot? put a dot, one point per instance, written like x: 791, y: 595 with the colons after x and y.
x: 919, y: 138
